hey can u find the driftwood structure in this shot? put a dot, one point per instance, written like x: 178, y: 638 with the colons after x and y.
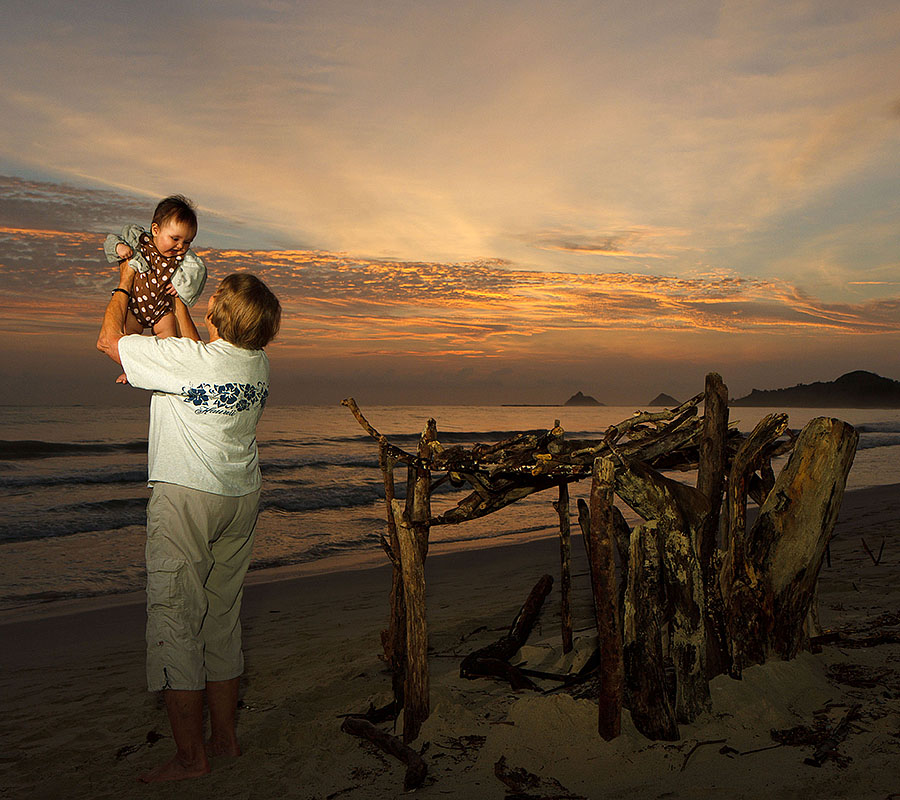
x: 691, y: 592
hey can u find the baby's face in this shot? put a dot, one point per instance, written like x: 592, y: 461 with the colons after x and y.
x: 172, y: 238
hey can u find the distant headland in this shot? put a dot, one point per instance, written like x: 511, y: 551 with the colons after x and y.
x: 858, y: 389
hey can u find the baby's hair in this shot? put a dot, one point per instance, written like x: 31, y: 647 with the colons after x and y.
x: 175, y: 207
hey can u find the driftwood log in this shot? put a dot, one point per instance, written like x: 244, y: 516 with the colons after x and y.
x: 786, y: 545
x: 696, y: 591
x: 416, y: 769
x: 493, y: 660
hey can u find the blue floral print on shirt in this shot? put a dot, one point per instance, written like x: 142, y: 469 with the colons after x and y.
x: 225, y: 398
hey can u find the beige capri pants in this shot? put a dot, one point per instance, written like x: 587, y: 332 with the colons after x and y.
x: 198, y: 551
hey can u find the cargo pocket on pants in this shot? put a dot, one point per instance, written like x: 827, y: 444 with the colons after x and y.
x: 164, y: 589
x: 171, y: 651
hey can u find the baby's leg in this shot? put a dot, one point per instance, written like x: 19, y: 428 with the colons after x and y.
x: 131, y: 326
x: 165, y: 326
x: 131, y: 323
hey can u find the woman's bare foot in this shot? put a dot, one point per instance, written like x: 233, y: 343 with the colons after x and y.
x: 229, y: 748
x: 176, y: 770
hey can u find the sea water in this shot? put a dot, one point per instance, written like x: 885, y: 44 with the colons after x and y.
x: 73, y: 485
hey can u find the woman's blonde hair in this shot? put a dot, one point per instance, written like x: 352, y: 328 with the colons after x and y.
x: 245, y: 312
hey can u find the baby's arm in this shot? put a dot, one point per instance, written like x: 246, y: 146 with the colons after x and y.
x: 189, y: 279
x: 117, y: 248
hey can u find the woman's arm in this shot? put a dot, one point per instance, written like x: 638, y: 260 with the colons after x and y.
x: 113, y: 326
x: 184, y: 322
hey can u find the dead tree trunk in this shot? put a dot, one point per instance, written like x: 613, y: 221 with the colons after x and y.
x: 787, y: 543
x: 606, y: 604
x: 645, y: 678
x: 565, y: 568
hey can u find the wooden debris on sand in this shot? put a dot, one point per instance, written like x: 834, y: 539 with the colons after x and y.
x: 696, y: 592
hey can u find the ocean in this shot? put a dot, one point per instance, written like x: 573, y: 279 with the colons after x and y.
x: 73, y: 486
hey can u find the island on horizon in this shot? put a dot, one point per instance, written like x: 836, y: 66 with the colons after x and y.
x: 857, y: 389
x: 663, y: 399
x: 580, y: 399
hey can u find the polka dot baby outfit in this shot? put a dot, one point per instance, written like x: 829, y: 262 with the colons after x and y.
x: 149, y: 302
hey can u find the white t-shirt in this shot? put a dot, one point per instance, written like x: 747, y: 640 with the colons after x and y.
x: 207, y: 399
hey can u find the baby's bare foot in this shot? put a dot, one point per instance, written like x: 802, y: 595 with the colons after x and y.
x: 175, y: 770
x: 123, y: 378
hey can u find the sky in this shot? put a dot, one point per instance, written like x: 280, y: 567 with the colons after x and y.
x: 486, y: 202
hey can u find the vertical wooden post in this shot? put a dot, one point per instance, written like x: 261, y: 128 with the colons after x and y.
x: 606, y: 606
x: 645, y: 680
x: 412, y: 522
x: 416, y: 688
x: 393, y: 640
x: 418, y: 502
x: 565, y: 575
x: 711, y: 481
x: 711, y: 471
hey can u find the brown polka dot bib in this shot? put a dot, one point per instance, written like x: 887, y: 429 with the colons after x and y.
x: 149, y: 301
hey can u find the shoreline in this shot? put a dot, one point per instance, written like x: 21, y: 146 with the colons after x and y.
x: 341, y: 564
x: 348, y: 563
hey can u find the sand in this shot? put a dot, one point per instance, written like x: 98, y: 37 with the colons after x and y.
x: 76, y: 723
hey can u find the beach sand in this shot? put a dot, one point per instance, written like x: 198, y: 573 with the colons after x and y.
x: 76, y: 723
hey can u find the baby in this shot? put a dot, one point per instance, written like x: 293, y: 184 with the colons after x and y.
x: 167, y: 270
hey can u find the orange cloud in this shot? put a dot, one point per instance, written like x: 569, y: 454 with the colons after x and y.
x: 337, y: 305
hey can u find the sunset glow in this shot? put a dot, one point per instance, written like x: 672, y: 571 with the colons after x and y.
x: 482, y: 202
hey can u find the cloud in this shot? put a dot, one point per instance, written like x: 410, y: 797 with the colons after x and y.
x: 339, y: 303
x: 439, y: 132
x: 620, y: 244
x: 351, y: 320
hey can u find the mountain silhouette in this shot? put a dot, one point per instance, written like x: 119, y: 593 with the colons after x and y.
x: 664, y: 399
x: 579, y: 399
x: 859, y: 389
